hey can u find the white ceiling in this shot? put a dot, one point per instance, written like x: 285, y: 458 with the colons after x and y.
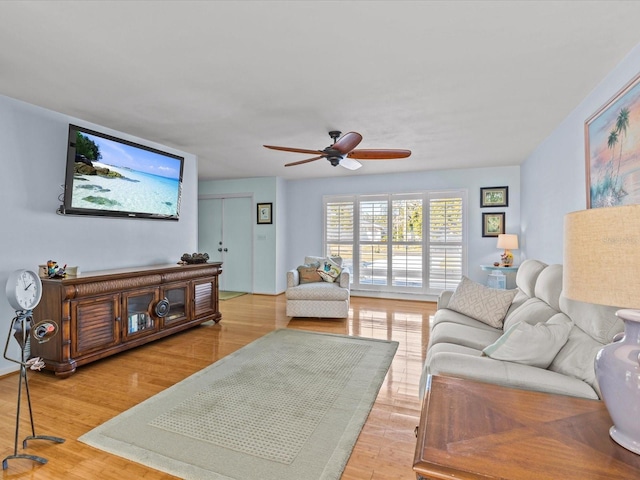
x: 461, y: 84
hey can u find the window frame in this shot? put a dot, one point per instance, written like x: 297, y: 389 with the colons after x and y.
x: 355, y: 262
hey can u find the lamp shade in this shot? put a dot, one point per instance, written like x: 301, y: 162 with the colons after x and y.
x: 602, y: 256
x: 507, y: 241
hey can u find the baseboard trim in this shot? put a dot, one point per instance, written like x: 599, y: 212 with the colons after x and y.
x: 395, y: 296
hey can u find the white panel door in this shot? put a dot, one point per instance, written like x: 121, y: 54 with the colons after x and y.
x: 225, y: 233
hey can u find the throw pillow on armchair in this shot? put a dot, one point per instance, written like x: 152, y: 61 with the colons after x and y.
x: 309, y: 273
x: 329, y: 270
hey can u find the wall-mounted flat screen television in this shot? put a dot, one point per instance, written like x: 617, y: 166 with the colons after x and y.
x: 110, y: 176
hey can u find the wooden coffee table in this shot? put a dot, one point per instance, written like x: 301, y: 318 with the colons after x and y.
x: 473, y: 430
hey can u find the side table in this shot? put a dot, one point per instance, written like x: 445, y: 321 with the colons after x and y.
x: 476, y: 431
x: 497, y: 277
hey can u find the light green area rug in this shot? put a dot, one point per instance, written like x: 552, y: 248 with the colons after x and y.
x: 227, y: 295
x: 288, y: 406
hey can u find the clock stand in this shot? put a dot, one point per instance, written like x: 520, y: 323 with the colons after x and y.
x: 23, y: 331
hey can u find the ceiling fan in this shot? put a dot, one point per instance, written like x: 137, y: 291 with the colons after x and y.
x: 342, y: 152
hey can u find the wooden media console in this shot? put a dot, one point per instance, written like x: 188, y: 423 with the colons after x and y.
x: 105, y: 312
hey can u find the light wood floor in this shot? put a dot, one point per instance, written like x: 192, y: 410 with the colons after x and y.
x: 95, y: 393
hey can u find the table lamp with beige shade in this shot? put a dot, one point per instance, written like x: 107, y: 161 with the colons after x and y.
x: 508, y: 242
x: 602, y: 266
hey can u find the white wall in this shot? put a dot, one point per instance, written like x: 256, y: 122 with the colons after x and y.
x: 304, y: 207
x: 281, y: 229
x: 553, y: 177
x: 33, y: 151
x: 265, y: 237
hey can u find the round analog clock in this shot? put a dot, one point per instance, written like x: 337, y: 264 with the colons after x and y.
x: 24, y: 289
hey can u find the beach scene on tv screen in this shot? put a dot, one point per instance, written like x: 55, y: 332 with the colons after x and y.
x: 114, y: 176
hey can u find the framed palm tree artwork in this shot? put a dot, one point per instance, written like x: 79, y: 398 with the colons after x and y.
x: 612, y: 146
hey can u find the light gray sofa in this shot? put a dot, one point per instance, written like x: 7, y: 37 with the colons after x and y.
x: 457, y: 340
x: 319, y: 299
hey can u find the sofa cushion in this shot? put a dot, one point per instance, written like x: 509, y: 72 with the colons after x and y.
x: 528, y: 275
x: 531, y: 311
x: 317, y: 291
x: 598, y: 321
x: 486, y: 304
x: 534, y: 345
x: 444, y: 348
x: 518, y: 300
x: 509, y: 374
x: 329, y: 270
x: 309, y: 273
x: 549, y: 286
x: 464, y: 335
x: 444, y: 315
x: 451, y: 348
x: 576, y: 358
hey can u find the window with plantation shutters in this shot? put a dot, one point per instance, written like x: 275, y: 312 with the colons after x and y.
x: 399, y: 242
x: 339, y: 226
x: 445, y: 241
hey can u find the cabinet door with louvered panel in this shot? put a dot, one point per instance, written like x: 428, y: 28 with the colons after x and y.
x: 205, y: 301
x: 95, y: 324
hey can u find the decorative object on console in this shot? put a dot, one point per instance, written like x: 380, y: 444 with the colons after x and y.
x: 508, y: 242
x: 612, y: 149
x: 54, y: 271
x: 74, y: 271
x: 193, y: 258
x: 494, y: 197
x: 493, y: 224
x: 24, y: 292
x: 602, y: 262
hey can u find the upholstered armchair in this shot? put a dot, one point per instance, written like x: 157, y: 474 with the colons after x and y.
x: 309, y: 295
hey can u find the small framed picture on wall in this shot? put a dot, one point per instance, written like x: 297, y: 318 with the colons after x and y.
x: 494, y: 197
x: 492, y: 224
x: 264, y: 213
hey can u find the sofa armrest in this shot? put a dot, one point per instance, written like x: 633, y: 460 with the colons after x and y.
x: 345, y: 278
x: 443, y: 299
x: 293, y: 278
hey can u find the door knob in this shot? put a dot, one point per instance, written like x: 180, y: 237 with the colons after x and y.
x: 220, y: 249
x: 226, y: 249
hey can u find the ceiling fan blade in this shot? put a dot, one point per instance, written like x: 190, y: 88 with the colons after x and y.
x: 350, y: 164
x: 347, y: 142
x: 300, y: 162
x: 295, y: 150
x: 379, y: 154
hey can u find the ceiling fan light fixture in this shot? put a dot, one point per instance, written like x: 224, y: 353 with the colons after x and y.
x: 343, y: 152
